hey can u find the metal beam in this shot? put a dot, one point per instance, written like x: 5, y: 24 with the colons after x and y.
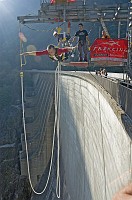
x: 38, y: 20
x: 77, y: 12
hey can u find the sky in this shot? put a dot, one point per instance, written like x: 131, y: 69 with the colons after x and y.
x: 22, y: 7
x: 9, y: 26
x: 19, y: 6
x: 9, y: 10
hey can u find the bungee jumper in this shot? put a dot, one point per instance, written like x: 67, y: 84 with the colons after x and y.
x: 54, y: 53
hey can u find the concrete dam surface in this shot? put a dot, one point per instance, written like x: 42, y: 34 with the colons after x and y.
x: 96, y: 149
x: 95, y: 143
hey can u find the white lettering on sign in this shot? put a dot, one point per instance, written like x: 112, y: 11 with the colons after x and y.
x: 109, y: 49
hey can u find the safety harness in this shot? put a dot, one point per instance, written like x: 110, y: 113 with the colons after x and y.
x: 57, y: 57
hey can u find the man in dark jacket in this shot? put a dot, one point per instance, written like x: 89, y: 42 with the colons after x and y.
x: 83, y: 42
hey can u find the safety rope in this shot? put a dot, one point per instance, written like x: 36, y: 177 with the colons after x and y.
x: 58, y: 131
x: 44, y: 30
x: 91, y: 29
x: 56, y: 123
x: 130, y: 164
x: 26, y: 146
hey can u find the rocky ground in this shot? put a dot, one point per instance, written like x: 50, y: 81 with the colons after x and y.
x: 12, y: 185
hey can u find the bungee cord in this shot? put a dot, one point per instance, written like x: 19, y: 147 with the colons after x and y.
x: 56, y: 126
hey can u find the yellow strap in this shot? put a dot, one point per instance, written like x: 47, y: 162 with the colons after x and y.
x: 64, y: 39
x: 59, y: 29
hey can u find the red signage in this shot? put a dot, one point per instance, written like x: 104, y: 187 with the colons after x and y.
x: 109, y: 50
x: 61, y: 1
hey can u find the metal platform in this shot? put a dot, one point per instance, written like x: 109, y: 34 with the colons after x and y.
x: 80, y: 11
x: 75, y: 64
x: 76, y: 12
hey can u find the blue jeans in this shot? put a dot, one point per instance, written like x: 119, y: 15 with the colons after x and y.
x: 82, y: 48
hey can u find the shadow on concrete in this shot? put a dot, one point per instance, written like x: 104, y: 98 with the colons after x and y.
x: 65, y: 193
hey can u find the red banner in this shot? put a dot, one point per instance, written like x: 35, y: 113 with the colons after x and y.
x: 115, y: 50
x: 61, y: 1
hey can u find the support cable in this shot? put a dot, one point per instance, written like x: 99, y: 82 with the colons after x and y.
x: 44, y: 30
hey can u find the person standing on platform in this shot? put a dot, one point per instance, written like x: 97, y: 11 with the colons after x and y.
x: 83, y: 43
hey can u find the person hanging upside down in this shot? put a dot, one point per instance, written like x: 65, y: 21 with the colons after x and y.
x: 63, y: 39
x: 55, y: 53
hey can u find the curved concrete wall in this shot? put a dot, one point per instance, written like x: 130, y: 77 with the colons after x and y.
x: 95, y: 149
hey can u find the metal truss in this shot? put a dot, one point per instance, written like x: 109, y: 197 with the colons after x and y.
x: 76, y: 12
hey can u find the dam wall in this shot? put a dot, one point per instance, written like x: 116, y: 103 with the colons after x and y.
x: 95, y: 135
x: 95, y: 142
